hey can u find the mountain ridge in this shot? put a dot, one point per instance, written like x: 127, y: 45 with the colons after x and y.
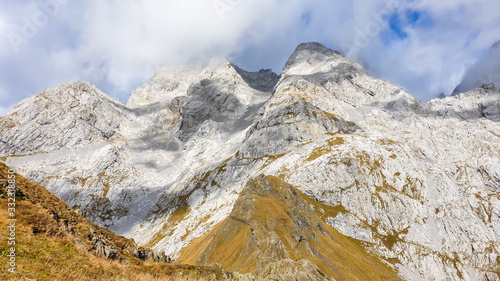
x: 176, y: 164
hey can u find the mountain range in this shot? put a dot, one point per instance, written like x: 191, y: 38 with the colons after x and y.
x: 320, y: 173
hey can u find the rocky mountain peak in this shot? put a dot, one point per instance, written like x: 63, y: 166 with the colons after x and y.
x: 489, y: 87
x: 77, y: 89
x: 165, y: 85
x: 495, y: 49
x: 484, y: 71
x: 170, y: 83
x: 222, y: 70
x: 263, y: 80
x: 314, y: 47
x: 69, y: 115
x: 309, y: 58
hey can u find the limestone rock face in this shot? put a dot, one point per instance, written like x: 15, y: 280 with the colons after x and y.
x: 417, y: 184
x: 71, y: 115
x: 165, y: 85
x: 264, y: 80
x: 479, y: 103
x: 310, y: 58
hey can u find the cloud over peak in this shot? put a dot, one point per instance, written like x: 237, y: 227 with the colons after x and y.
x: 422, y: 45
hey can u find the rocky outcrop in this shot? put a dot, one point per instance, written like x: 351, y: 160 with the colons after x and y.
x: 310, y: 58
x: 99, y: 245
x: 287, y: 269
x: 482, y: 102
x: 148, y: 254
x: 264, y: 80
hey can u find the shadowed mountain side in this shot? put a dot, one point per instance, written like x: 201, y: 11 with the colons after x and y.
x: 265, y: 80
x: 273, y: 223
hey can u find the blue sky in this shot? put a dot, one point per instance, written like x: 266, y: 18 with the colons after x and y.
x: 424, y: 46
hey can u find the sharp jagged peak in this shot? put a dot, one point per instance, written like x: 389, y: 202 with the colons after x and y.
x: 315, y: 47
x: 263, y: 80
x: 486, y: 70
x: 495, y: 49
x: 488, y: 87
x: 313, y: 57
x: 171, y: 82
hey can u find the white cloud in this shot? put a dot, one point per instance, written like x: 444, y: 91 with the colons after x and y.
x: 435, y: 56
x: 114, y: 44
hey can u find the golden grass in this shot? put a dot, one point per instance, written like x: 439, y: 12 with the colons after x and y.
x: 238, y: 240
x: 50, y: 249
x: 47, y: 257
x: 319, y: 151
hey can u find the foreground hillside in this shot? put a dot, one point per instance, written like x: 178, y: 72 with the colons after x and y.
x: 53, y: 242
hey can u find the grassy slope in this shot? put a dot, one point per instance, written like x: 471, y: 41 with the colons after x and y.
x: 50, y: 249
x: 269, y: 207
